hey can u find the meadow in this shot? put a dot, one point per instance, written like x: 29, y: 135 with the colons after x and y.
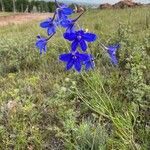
x: 44, y: 107
x: 3, y: 14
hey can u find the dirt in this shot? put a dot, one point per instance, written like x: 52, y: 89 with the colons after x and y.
x: 22, y: 18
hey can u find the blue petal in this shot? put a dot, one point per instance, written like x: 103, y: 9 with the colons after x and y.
x: 65, y: 57
x: 38, y: 44
x: 114, y: 59
x: 89, y: 37
x: 89, y: 65
x: 83, y: 45
x: 117, y: 46
x: 65, y: 23
x: 51, y: 30
x: 77, y: 65
x: 45, y: 24
x: 45, y: 48
x: 83, y: 57
x: 112, y: 49
x: 70, y: 36
x: 80, y: 32
x: 67, y: 11
x: 61, y: 15
x: 63, y: 6
x: 41, y: 44
x: 70, y: 64
x: 74, y: 45
x: 112, y: 53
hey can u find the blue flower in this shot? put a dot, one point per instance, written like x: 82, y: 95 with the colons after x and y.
x: 79, y: 38
x: 74, y: 59
x: 41, y: 44
x: 69, y: 23
x: 62, y: 19
x: 66, y: 23
x: 89, y: 64
x: 112, y: 53
x: 49, y: 25
x: 63, y: 11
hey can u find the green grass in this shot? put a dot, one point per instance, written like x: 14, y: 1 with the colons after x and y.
x: 43, y: 107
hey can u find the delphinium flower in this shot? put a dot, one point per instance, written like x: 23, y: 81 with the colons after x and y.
x: 112, y: 49
x: 41, y: 44
x: 80, y: 38
x: 63, y: 11
x: 75, y: 59
x: 50, y: 25
x: 89, y: 63
x: 69, y: 24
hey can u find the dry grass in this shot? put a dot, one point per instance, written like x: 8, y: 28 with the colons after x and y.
x: 21, y: 18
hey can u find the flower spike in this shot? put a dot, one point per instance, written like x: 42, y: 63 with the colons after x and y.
x: 79, y: 38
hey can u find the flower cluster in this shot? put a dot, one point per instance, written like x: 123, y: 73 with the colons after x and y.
x: 78, y: 56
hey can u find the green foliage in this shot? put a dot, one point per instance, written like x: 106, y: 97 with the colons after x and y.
x: 44, y: 107
x: 87, y: 136
x: 22, y: 5
x: 8, y: 5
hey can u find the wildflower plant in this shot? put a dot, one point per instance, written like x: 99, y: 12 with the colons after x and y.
x: 78, y: 55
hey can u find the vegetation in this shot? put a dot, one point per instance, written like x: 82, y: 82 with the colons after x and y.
x: 44, y: 107
x: 4, y: 14
x: 26, y: 5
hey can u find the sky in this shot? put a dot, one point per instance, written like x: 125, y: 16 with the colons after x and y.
x: 101, y: 1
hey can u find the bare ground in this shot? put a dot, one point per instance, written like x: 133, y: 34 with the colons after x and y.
x: 22, y: 18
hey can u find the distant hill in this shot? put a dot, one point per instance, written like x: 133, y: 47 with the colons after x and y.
x: 122, y: 4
